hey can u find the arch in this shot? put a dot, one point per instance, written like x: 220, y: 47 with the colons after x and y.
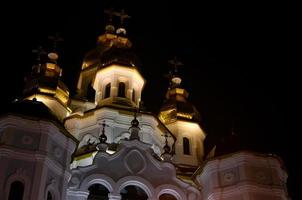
x: 132, y: 192
x: 186, y: 146
x: 121, y: 89
x: 136, y: 181
x: 52, y: 191
x: 16, y: 191
x: 107, y: 90
x: 167, y: 196
x: 176, y: 192
x: 98, y: 192
x: 49, y: 196
x: 97, y: 179
x: 19, y: 175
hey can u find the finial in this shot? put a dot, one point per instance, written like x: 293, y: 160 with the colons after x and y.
x: 55, y: 40
x: 102, y: 146
x: 166, y: 155
x: 39, y: 52
x: 175, y: 79
x: 175, y: 63
x: 103, y: 137
x: 122, y: 15
x: 134, y: 129
x: 167, y: 149
x: 109, y: 28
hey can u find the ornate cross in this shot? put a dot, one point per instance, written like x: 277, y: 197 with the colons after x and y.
x: 175, y: 63
x: 122, y: 15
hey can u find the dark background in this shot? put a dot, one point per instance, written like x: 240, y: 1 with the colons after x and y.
x: 239, y: 60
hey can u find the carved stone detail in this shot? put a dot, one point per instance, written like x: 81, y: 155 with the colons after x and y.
x: 26, y: 139
x: 229, y: 176
x: 263, y: 177
x: 135, y: 162
x: 57, y: 152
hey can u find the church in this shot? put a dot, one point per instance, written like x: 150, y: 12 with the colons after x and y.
x: 102, y: 144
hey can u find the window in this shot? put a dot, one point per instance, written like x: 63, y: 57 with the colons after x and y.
x: 132, y: 192
x: 133, y: 95
x: 121, y: 89
x: 167, y: 197
x: 90, y: 92
x: 98, y: 192
x: 49, y: 196
x: 107, y: 90
x: 186, y: 146
x: 16, y: 191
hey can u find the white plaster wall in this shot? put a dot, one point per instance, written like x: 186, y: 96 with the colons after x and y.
x: 196, y: 136
x: 243, y: 175
x: 35, y: 152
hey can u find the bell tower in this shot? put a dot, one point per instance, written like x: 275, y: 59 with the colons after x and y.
x: 109, y: 74
x: 182, y: 119
x: 44, y: 84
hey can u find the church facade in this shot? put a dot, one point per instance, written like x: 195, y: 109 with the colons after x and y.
x: 101, y: 144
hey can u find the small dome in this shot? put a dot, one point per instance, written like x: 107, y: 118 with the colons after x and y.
x: 182, y: 110
x: 91, y: 58
x: 31, y: 108
x: 104, y: 56
x: 123, y: 56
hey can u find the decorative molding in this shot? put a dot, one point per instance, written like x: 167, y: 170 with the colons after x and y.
x: 53, y: 188
x: 136, y: 181
x: 229, y: 176
x: 20, y: 174
x: 97, y: 178
x: 58, y: 152
x: 27, y: 140
x: 170, y: 189
x: 135, y: 162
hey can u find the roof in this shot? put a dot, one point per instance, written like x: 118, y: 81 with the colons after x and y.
x: 35, y: 110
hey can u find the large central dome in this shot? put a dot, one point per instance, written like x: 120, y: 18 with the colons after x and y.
x: 111, y: 48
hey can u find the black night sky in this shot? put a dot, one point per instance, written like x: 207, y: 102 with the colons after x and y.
x: 238, y: 60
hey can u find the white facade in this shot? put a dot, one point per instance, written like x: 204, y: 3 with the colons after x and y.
x: 243, y: 175
x: 134, y: 165
x: 36, y: 153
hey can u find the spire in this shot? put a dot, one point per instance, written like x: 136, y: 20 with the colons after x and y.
x: 134, y: 129
x: 44, y: 83
x: 176, y: 104
x: 122, y: 15
x: 102, y: 146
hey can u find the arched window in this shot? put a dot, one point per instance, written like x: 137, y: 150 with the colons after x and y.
x: 186, y: 146
x: 49, y: 196
x: 121, y: 89
x: 167, y: 197
x: 98, y: 192
x: 132, y: 192
x: 16, y: 191
x: 107, y: 90
x: 90, y: 92
x: 133, y: 95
